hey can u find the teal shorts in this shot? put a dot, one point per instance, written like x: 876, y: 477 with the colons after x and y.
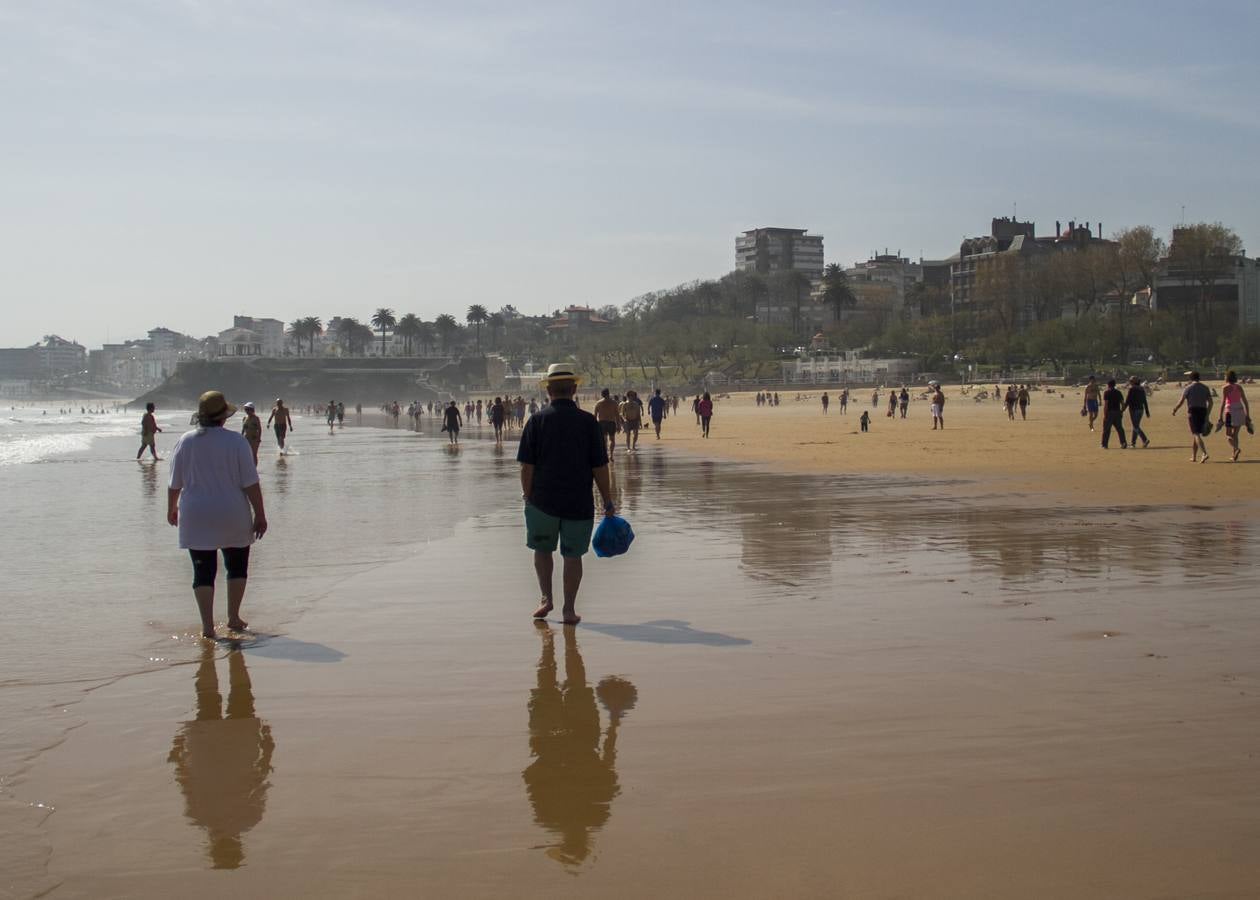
x: 544, y: 531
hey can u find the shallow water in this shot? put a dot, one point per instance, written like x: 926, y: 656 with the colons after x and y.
x: 394, y: 696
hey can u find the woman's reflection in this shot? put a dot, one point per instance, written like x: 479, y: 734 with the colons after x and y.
x: 573, y: 779
x: 222, y: 760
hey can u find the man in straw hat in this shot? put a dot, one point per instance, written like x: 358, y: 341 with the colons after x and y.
x: 561, y: 453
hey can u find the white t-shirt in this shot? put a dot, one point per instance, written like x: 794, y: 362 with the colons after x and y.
x: 211, y: 468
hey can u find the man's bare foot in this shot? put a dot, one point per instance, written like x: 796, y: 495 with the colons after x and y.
x: 541, y: 612
x: 209, y: 635
x: 1204, y: 459
x: 572, y: 618
x: 238, y: 625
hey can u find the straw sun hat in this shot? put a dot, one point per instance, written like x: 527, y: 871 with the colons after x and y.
x: 559, y: 372
x: 213, y: 405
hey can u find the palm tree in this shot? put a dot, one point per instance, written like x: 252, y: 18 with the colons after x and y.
x: 383, y: 320
x: 313, y: 327
x: 496, y: 322
x: 425, y: 337
x: 348, y: 333
x: 476, y: 316
x: 836, y: 291
x: 409, y: 328
x: 446, y: 327
x: 297, y: 331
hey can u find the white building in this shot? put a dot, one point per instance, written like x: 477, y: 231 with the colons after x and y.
x: 269, y: 334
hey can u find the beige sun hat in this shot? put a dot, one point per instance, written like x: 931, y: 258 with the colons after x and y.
x: 559, y: 372
x: 213, y: 405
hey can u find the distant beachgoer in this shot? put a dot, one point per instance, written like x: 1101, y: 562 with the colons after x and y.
x: 903, y: 401
x: 607, y: 415
x: 844, y: 402
x: 478, y: 412
x: 1235, y: 411
x: 1023, y: 397
x: 1197, y: 399
x: 330, y: 414
x: 875, y: 398
x: 1091, y: 401
x: 149, y: 431
x: 497, y: 414
x: 358, y: 413
x: 776, y: 398
x: 865, y: 420
x: 892, y: 404
x: 451, y: 423
x: 657, y: 407
x: 215, y: 501
x: 1113, y: 414
x: 704, y: 409
x: 341, y: 414
x: 826, y: 402
x: 1135, y: 402
x: 562, y: 451
x: 251, y: 430
x: 938, y: 407
x: 631, y: 413
x: 1010, y: 399
x: 283, y: 421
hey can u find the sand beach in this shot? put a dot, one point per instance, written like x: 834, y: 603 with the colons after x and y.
x: 993, y: 662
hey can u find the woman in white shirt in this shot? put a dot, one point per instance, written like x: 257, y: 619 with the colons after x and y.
x: 215, y: 500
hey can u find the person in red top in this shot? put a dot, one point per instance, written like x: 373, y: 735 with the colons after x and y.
x: 704, y: 409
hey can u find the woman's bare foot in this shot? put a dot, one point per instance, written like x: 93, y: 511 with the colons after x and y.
x: 541, y: 612
x: 238, y: 625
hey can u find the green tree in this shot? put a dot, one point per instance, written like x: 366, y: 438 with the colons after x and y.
x: 313, y: 327
x: 348, y: 331
x: 1203, y: 253
x: 409, y: 328
x: 425, y: 336
x: 496, y: 323
x: 836, y: 291
x: 476, y: 317
x: 447, y: 328
x: 383, y: 320
x: 297, y: 333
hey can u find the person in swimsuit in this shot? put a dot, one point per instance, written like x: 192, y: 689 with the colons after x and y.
x: 938, y: 407
x: 252, y: 429
x: 608, y: 416
x: 497, y: 415
x: 903, y: 401
x: 149, y: 431
x: 1092, y: 394
x: 1235, y: 411
x: 451, y: 422
x: 1023, y: 398
x: 283, y: 421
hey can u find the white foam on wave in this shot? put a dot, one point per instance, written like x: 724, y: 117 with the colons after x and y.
x: 34, y: 441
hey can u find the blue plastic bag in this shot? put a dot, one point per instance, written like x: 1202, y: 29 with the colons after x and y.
x: 612, y: 537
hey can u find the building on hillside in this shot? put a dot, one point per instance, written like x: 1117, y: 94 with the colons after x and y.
x: 848, y: 366
x: 883, y: 283
x: 769, y: 250
x: 575, y: 321
x: 139, y: 364
x: 1232, y: 287
x: 270, y: 333
x: 1015, y: 240
x: 239, y: 343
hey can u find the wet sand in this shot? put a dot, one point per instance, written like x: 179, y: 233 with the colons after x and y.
x: 791, y: 686
x: 1052, y: 452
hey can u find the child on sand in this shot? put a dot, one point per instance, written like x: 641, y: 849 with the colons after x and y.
x: 865, y: 421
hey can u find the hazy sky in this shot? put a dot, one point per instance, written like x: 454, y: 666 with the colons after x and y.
x: 166, y: 162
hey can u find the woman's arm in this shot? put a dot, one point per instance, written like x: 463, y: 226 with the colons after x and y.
x: 172, y: 506
x: 254, y: 494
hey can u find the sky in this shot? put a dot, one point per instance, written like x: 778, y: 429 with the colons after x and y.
x: 175, y: 162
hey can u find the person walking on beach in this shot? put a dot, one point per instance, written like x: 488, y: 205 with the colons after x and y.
x: 1235, y: 411
x: 562, y: 451
x: 938, y: 407
x: 283, y: 421
x: 1091, y: 401
x: 864, y: 422
x: 451, y: 421
x: 903, y: 401
x: 149, y: 431
x: 892, y: 404
x: 251, y: 430
x: 631, y: 413
x: 214, y: 499
x: 497, y: 414
x: 330, y: 414
x: 607, y: 415
x: 1135, y: 402
x: 875, y: 398
x: 1113, y: 414
x: 844, y: 402
x: 704, y: 409
x: 1196, y: 397
x: 1023, y: 397
x: 826, y: 401
x: 341, y: 414
x: 656, y: 411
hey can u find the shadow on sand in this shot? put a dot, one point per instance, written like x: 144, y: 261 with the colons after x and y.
x: 667, y: 631
x: 281, y: 647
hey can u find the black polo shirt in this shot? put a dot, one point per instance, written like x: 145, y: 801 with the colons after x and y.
x: 564, y: 445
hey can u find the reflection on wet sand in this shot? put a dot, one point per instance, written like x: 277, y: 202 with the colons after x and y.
x: 149, y: 479
x: 222, y: 760
x: 572, y: 781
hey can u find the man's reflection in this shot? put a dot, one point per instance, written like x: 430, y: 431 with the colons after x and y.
x: 222, y: 760
x: 573, y: 779
x: 149, y: 480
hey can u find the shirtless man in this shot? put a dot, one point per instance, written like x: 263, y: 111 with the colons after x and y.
x: 283, y: 421
x: 149, y: 431
x: 938, y: 407
x: 607, y: 415
x: 631, y: 415
x: 1092, y: 394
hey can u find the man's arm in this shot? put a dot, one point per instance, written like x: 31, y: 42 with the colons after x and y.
x: 604, y: 483
x: 527, y: 480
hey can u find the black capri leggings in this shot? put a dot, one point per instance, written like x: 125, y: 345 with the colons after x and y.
x: 206, y: 565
